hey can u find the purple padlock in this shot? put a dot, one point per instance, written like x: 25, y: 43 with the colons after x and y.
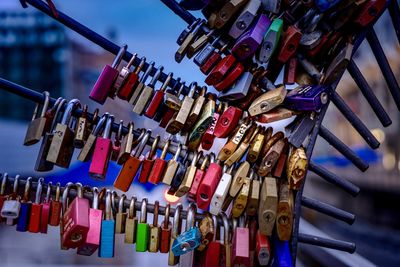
x: 307, y: 97
x: 248, y: 43
x: 104, y: 84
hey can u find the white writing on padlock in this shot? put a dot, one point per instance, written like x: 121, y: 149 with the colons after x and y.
x: 238, y: 137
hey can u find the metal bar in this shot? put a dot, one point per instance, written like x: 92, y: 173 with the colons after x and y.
x: 332, y: 178
x: 354, y: 120
x: 39, y: 98
x: 384, y: 66
x: 328, y: 209
x: 96, y: 38
x: 180, y: 11
x: 369, y: 95
x: 327, y: 243
x: 342, y: 148
x: 394, y: 11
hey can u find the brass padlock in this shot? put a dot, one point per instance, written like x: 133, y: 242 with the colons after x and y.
x: 36, y: 127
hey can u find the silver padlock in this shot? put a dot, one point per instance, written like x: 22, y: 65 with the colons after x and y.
x: 11, y: 206
x: 239, y: 90
x: 245, y: 18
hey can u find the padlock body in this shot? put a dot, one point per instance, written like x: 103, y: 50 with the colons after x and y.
x: 208, y: 185
x: 307, y: 98
x: 76, y: 223
x: 165, y: 238
x: 186, y: 242
x: 263, y: 249
x: 104, y: 84
x: 130, y: 230
x: 107, y: 239
x: 213, y: 254
x: 44, y: 221
x: 127, y: 89
x: 35, y: 131
x: 142, y: 237
x: 241, y: 253
x: 55, y: 213
x: 10, y: 209
x: 145, y: 171
x: 61, y: 147
x: 157, y: 171
x: 34, y: 219
x: 198, y: 178
x: 127, y: 174
x: 227, y: 122
x: 101, y: 157
x: 23, y: 218
x: 92, y: 241
x: 154, y: 104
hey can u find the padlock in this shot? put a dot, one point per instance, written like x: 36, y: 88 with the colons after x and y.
x: 140, y: 84
x: 190, y: 38
x: 197, y: 109
x: 123, y: 75
x: 213, y: 60
x: 263, y: 249
x: 280, y: 165
x: 126, y: 91
x: 189, y: 240
x: 268, y: 206
x: 75, y: 220
x: 276, y: 114
x: 36, y: 209
x: 270, y: 158
x: 232, y: 143
x: 198, y: 178
x: 242, y: 198
x: 241, y: 245
x: 284, y: 217
x: 158, y: 98
x: 296, y: 168
x: 227, y: 122
x: 42, y: 164
x: 198, y: 44
x: 300, y: 128
x: 55, y: 208
x: 239, y: 89
x: 338, y: 65
x: 92, y: 241
x: 206, y: 52
x: 46, y: 206
x: 147, y: 93
x: 369, y: 12
x: 3, y: 196
x: 222, y: 191
x: 64, y: 202
x: 131, y: 166
x: 245, y: 18
x: 207, y: 230
x: 155, y: 230
x: 251, y: 223
x: 205, y: 119
x: 309, y: 97
x: 142, y: 233
x: 176, y: 231
x: 256, y: 146
x: 209, y: 184
x: 281, y: 252
x: 179, y: 121
x: 116, y: 144
x: 81, y: 129
x: 179, y: 175
x: 170, y: 107
x: 254, y: 196
x: 237, y: 182
x: 207, y: 139
x: 36, y: 127
x: 252, y: 38
x: 290, y: 43
x: 126, y: 145
x: 159, y: 165
x: 227, y: 241
x: 131, y: 223
x: 214, y: 250
x: 244, y: 145
x: 11, y: 208
x: 102, y: 152
x: 235, y: 72
x: 228, y: 11
x: 290, y: 71
x: 172, y: 166
x: 107, y: 236
x: 268, y: 101
x: 182, y: 36
x: 188, y: 178
x: 61, y: 147
x: 166, y: 228
x: 270, y: 41
x: 220, y: 70
x: 270, y: 140
x: 104, y: 84
x: 120, y: 217
x: 25, y: 210
x: 148, y: 162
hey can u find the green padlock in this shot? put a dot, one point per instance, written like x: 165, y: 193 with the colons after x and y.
x: 142, y: 234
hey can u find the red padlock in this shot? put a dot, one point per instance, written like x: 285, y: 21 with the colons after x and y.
x: 214, y: 249
x: 233, y: 75
x: 227, y: 122
x: 198, y: 178
x: 131, y: 166
x: 263, y: 249
x: 208, y: 184
x: 104, y: 84
x: 148, y: 162
x: 75, y: 219
x: 158, y: 98
x: 219, y: 72
x: 291, y: 40
x: 241, y: 243
x: 55, y: 208
x: 46, y: 205
x: 157, y: 171
x: 212, y: 60
x: 92, y: 241
x: 207, y: 140
x: 166, y: 228
x: 369, y: 12
x: 36, y: 209
x: 290, y: 71
x: 127, y: 88
x: 167, y: 117
x: 102, y: 152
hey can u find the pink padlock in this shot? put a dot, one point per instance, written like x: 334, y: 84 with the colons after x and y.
x: 104, y: 84
x: 241, y: 245
x: 102, y: 152
x: 93, y: 236
x: 75, y: 219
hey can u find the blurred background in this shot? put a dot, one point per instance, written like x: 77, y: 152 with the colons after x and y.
x: 41, y: 54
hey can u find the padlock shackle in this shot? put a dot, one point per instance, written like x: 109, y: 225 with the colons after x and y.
x: 27, y: 189
x: 154, y: 147
x: 65, y: 196
x: 48, y: 192
x: 178, y: 151
x: 16, y: 184
x: 215, y: 226
x: 118, y: 134
x: 131, y: 61
x: 132, y: 209
x: 140, y: 66
x: 226, y: 228
x: 166, y: 82
x: 121, y: 203
x: 100, y: 124
x: 190, y: 219
x: 108, y: 212
x: 206, y: 160
x: 59, y: 105
x: 118, y: 57
x: 176, y: 226
x: 3, y: 184
x: 95, y: 202
x: 72, y: 105
x: 194, y: 159
x: 193, y: 87
x: 166, y: 216
x: 142, y: 144
x: 155, y: 213
x: 156, y: 76
x: 58, y: 192
x: 143, y: 211
x: 148, y: 71
x: 39, y: 189
x: 165, y: 149
x: 107, y: 128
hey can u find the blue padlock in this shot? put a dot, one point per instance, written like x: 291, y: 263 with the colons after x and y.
x: 25, y: 210
x: 107, y: 237
x: 282, y: 257
x: 324, y: 5
x: 191, y: 238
